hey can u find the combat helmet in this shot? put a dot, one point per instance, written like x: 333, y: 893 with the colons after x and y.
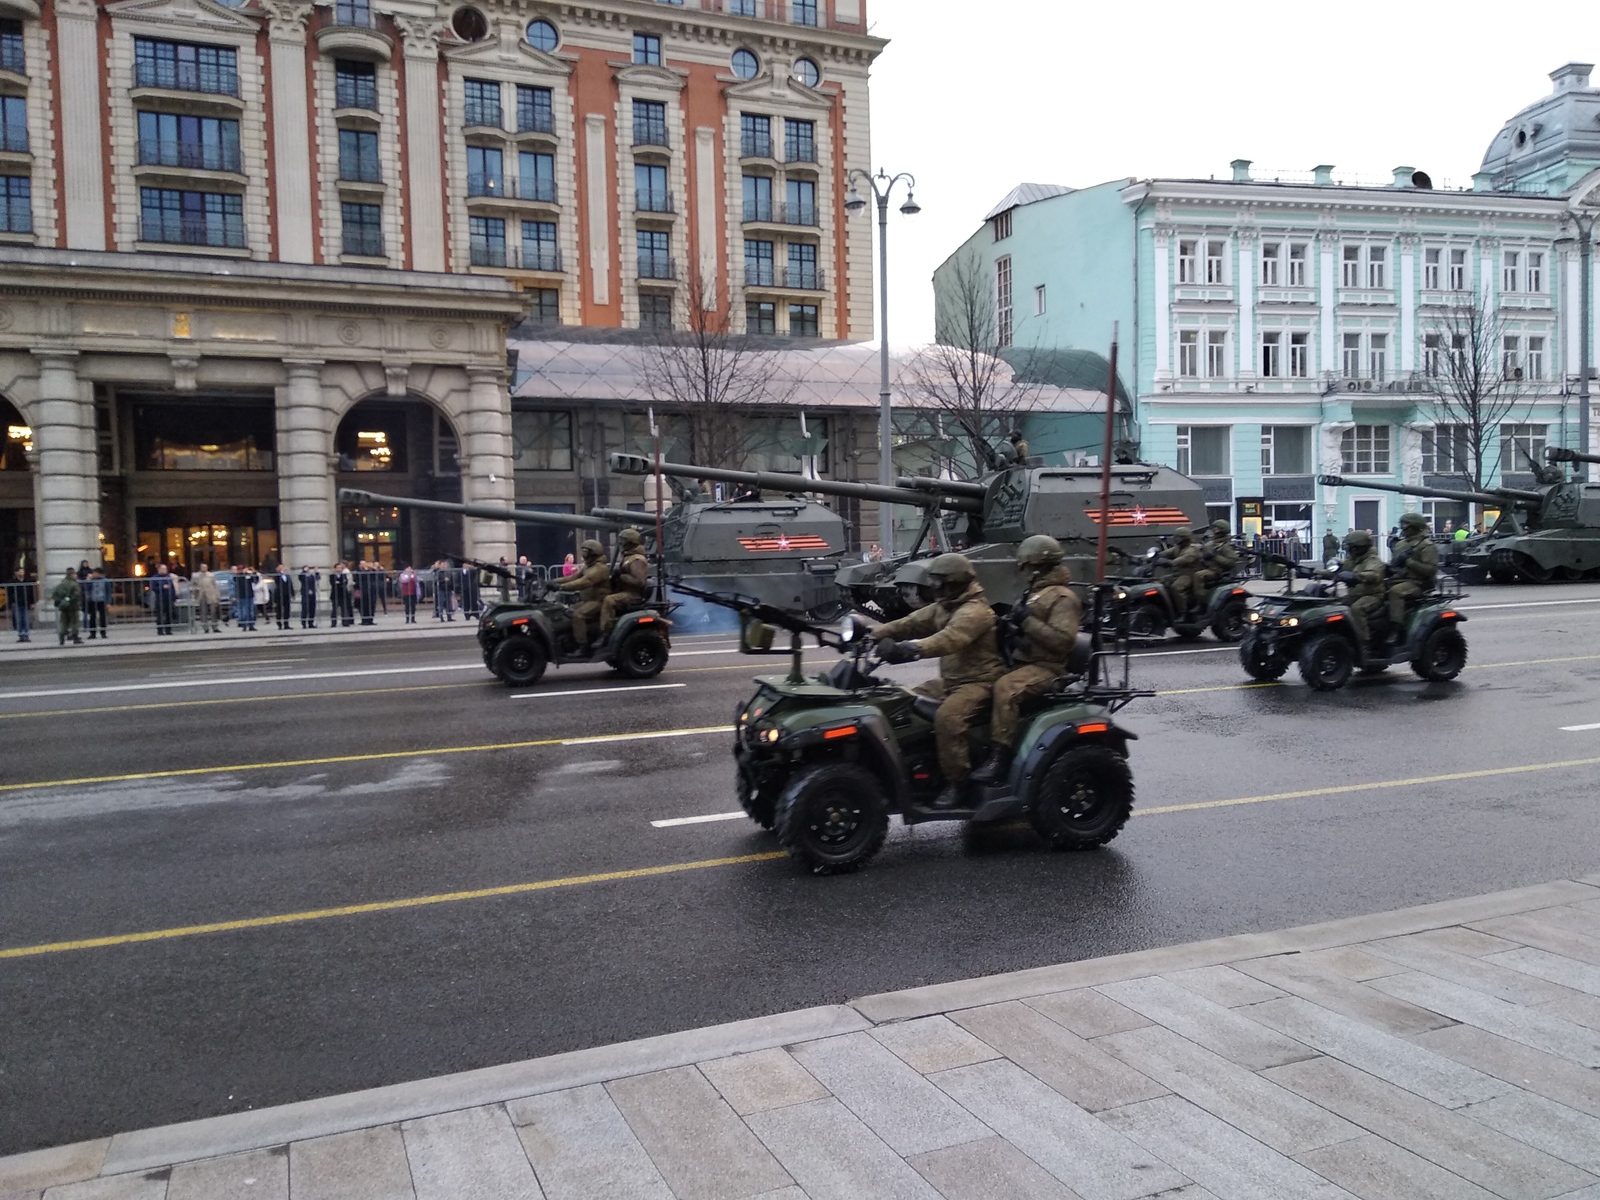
x: 1358, y: 541
x: 593, y: 549
x: 1413, y: 522
x: 1219, y: 526
x: 949, y: 574
x: 631, y: 537
x: 1040, y: 552
x: 1184, y: 536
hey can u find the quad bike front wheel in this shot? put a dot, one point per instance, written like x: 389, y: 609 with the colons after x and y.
x: 757, y: 805
x: 1259, y: 662
x: 831, y: 818
x: 1327, y: 662
x: 1084, y: 799
x: 519, y: 662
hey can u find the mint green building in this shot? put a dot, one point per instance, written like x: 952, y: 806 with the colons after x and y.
x: 1276, y: 328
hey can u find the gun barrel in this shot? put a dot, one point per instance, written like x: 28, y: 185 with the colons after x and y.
x: 1493, y: 496
x: 1562, y: 454
x: 947, y: 487
x: 521, y: 516
x: 640, y: 464
x: 622, y: 517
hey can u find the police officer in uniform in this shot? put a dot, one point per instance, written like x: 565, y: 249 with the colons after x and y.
x: 1413, y: 568
x: 1220, y: 556
x: 1044, y: 626
x: 1181, y: 560
x: 628, y: 582
x: 1362, y: 570
x: 592, y: 583
x: 958, y: 629
x: 309, y: 580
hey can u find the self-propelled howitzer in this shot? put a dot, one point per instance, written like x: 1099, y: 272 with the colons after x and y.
x: 1560, y: 454
x: 986, y: 518
x: 1542, y: 534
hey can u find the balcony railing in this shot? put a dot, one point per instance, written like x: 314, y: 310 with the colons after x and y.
x: 541, y: 191
x: 193, y: 156
x: 481, y: 115
x: 12, y: 57
x: 650, y: 133
x: 1384, y: 381
x: 780, y: 213
x: 657, y: 266
x: 360, y: 172
x: 368, y: 243
x: 766, y: 275
x: 534, y: 119
x: 193, y: 231
x: 538, y: 257
x: 528, y: 256
x: 755, y: 145
x: 654, y: 202
x: 359, y: 92
x: 799, y: 150
x: 187, y: 77
x: 353, y: 12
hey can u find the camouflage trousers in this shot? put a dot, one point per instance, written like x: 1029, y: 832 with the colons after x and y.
x: 960, y: 709
x: 1360, y: 608
x: 1182, y: 588
x: 582, y: 614
x: 1399, y: 593
x: 1010, y: 690
x: 613, y: 606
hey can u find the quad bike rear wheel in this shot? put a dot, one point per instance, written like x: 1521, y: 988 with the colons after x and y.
x: 1443, y: 655
x: 1084, y: 799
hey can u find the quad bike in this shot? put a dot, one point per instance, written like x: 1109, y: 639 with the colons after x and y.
x: 825, y: 761
x: 1314, y: 628
x: 1143, y: 601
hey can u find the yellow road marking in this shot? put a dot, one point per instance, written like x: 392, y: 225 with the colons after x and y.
x: 376, y: 906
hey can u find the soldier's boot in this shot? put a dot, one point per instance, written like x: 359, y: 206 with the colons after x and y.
x: 995, y: 768
x: 949, y: 796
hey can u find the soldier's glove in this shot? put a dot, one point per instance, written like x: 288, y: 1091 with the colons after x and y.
x: 892, y: 651
x: 1344, y: 577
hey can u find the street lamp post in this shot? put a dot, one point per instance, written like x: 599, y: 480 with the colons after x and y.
x: 882, y: 184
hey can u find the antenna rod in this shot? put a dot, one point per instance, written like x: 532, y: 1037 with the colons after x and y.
x: 1105, y: 463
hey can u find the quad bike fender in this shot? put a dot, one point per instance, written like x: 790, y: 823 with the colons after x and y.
x: 854, y: 733
x: 642, y: 618
x: 1431, y: 618
x: 1055, y: 730
x: 532, y: 623
x: 1223, y: 595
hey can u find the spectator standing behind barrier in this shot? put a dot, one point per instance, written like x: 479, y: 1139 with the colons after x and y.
x: 96, y: 602
x: 470, y: 601
x: 20, y: 596
x: 203, y: 588
x: 504, y: 580
x: 410, y: 592
x: 164, y: 599
x: 524, y: 578
x: 282, y: 595
x: 444, y: 605
x: 339, y: 600
x: 367, y: 577
x: 244, y: 598
x: 309, y: 580
x: 68, y: 600
x: 225, y: 595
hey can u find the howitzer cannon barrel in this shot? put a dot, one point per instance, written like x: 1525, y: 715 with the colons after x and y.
x: 1562, y: 454
x: 640, y: 464
x: 521, y: 516
x: 1492, y: 496
x: 621, y: 518
x: 948, y: 487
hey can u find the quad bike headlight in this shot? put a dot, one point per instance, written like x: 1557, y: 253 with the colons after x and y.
x: 1254, y: 618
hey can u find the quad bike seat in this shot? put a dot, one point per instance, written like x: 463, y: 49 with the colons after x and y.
x: 925, y: 706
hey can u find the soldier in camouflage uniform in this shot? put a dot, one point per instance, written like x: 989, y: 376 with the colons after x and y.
x: 628, y: 584
x: 1414, y: 565
x: 958, y: 629
x: 1221, y: 557
x: 1362, y: 570
x: 1181, y: 560
x: 593, y: 584
x: 1044, y: 627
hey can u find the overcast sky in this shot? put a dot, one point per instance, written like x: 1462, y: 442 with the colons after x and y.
x: 973, y: 98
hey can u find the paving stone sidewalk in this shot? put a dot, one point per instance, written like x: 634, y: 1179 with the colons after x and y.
x: 1445, y: 1051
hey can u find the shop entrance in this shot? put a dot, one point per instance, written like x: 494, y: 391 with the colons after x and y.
x: 220, y: 537
x: 402, y: 448
x: 371, y: 534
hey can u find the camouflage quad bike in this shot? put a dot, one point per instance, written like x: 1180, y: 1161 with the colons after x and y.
x: 1145, y: 602
x: 1314, y: 628
x: 825, y: 761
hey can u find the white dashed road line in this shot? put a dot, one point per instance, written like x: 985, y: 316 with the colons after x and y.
x: 1579, y: 728
x: 614, y: 690
x: 670, y: 822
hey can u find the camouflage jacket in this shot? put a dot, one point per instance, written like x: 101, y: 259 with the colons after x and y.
x: 960, y: 633
x: 1421, y: 565
x: 633, y: 576
x: 593, y: 582
x: 1181, y: 559
x: 1051, y: 627
x: 1369, y: 573
x: 1221, y: 554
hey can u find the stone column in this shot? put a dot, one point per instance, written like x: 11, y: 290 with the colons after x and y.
x: 1244, y: 290
x: 486, y: 472
x: 82, y: 152
x: 291, y: 152
x: 66, y: 471
x: 424, y: 150
x: 307, y: 528
x: 1328, y: 254
x: 1408, y: 303
x: 1162, y: 299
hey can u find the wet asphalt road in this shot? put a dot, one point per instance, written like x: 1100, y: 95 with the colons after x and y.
x: 447, y: 782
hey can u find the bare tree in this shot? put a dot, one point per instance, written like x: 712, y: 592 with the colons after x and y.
x: 714, y: 378
x: 962, y: 375
x: 1477, y: 384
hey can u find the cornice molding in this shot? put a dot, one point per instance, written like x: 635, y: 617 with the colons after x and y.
x: 202, y: 17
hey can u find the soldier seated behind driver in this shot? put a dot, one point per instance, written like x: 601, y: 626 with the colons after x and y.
x: 958, y: 629
x: 1362, y: 570
x: 1221, y: 558
x: 1181, y: 560
x: 628, y: 583
x: 1045, y: 624
x: 592, y: 582
x: 1414, y: 565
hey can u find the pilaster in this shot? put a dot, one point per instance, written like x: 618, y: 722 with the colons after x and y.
x: 1244, y: 290
x: 291, y: 156
x: 82, y: 149
x: 1328, y: 256
x: 1161, y: 297
x: 424, y: 151
x: 1408, y: 304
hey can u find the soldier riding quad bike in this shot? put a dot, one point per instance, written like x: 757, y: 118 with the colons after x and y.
x: 1319, y: 630
x: 1148, y: 604
x: 520, y: 639
x: 825, y: 761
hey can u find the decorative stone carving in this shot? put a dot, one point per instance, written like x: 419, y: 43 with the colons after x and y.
x: 441, y: 336
x: 420, y: 35
x: 287, y: 19
x: 185, y: 372
x: 349, y: 333
x: 397, y: 379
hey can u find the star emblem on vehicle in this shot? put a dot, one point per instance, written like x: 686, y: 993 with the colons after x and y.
x: 1138, y: 516
x: 783, y: 542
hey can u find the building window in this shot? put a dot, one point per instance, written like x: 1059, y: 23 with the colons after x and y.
x: 761, y: 316
x: 742, y: 8
x: 539, y: 250
x: 16, y: 204
x: 1521, y: 446
x: 1002, y: 225
x: 1458, y: 270
x: 804, y: 11
x: 755, y: 136
x: 1535, y: 275
x: 1351, y: 261
x: 536, y: 176
x: 183, y: 67
x: 204, y: 143
x: 1432, y: 355
x: 358, y: 156
x: 803, y: 320
x: 1377, y: 261
x: 1203, y: 449
x: 487, y: 238
x: 650, y: 188
x: 1511, y: 356
x: 745, y: 64
x: 1364, y: 450
x: 12, y: 56
x: 1299, y: 355
x: 355, y: 85
x: 647, y: 49
x: 1297, y: 264
x: 758, y: 269
x: 1002, y: 300
x: 1534, y: 363
x: 807, y: 73
x: 1351, y: 356
x: 800, y: 207
x: 1271, y: 351
x: 1286, y: 449
x: 655, y: 253
x: 1216, y: 354
x: 802, y: 266
x: 799, y: 141
x: 14, y: 124
x: 1216, y: 262
x: 362, y: 225
x: 1189, y: 352
x: 1432, y: 266
x: 542, y: 35
x: 1378, y: 356
x: 655, y: 312
x: 1446, y: 450
x: 482, y: 103
x: 1038, y: 300
x: 1510, y: 270
x: 204, y: 437
x: 485, y: 171
x: 1186, y: 263
x: 649, y: 123
x: 191, y: 218
x: 757, y: 197
x: 541, y: 441
x: 546, y: 306
x: 1269, y: 263
x: 535, y: 111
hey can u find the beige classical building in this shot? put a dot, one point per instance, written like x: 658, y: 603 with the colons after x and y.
x: 254, y: 249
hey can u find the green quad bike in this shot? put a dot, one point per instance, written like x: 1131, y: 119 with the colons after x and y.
x: 1146, y: 606
x: 520, y: 639
x: 1313, y: 628
x: 825, y: 761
